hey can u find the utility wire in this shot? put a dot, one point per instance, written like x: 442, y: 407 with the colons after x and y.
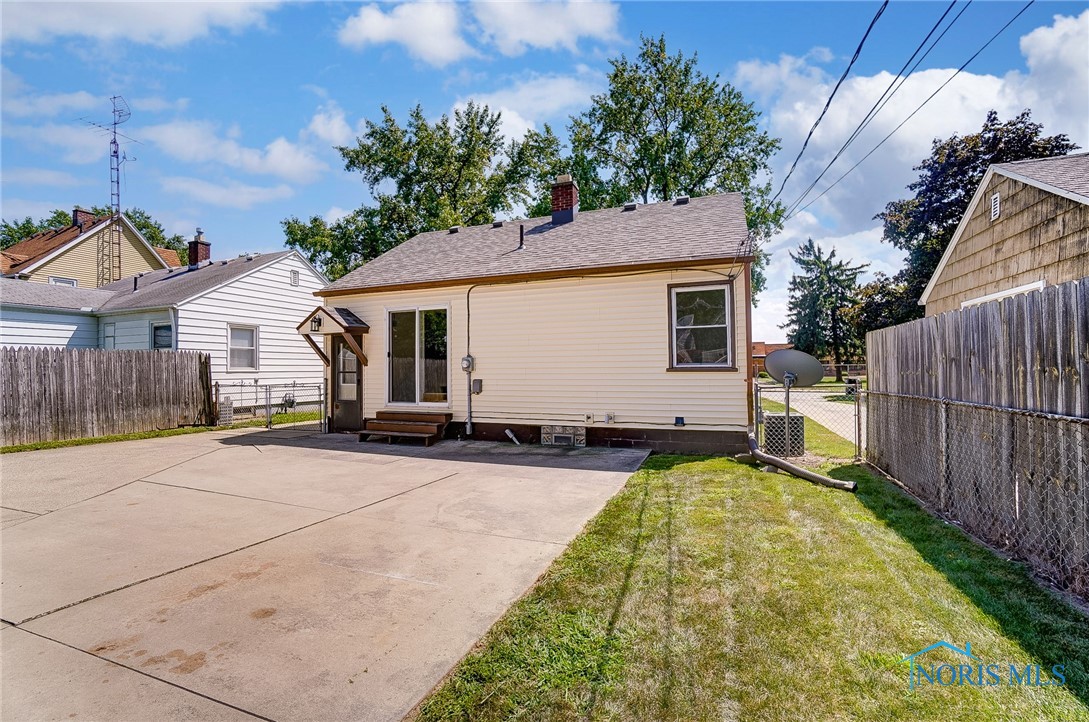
x: 890, y: 91
x: 858, y: 51
x: 931, y: 97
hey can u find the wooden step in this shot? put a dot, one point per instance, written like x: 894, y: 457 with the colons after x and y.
x: 417, y: 427
x: 431, y: 417
x: 389, y: 436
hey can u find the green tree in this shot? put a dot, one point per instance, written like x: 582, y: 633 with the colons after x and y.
x: 923, y: 225
x: 819, y: 300
x: 425, y: 176
x: 664, y: 128
x: 153, y: 231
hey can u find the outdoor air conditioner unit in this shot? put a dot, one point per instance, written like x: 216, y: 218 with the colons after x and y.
x: 775, y: 436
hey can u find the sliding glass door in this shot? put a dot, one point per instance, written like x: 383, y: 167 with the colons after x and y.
x: 419, y: 356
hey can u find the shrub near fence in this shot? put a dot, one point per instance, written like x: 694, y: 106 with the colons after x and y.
x: 53, y: 394
x: 983, y: 413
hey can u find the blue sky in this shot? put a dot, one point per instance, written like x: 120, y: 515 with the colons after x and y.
x: 237, y: 106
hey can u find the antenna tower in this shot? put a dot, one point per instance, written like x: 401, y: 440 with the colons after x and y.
x: 109, y: 244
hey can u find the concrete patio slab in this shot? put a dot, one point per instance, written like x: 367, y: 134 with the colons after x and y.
x: 354, y: 618
x: 43, y: 481
x: 11, y: 517
x: 44, y: 680
x: 318, y: 479
x: 125, y: 536
x: 505, y: 506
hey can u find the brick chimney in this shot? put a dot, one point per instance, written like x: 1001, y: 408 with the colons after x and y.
x: 200, y: 250
x: 565, y: 200
x: 82, y: 218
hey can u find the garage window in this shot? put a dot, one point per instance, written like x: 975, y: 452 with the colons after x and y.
x: 162, y: 337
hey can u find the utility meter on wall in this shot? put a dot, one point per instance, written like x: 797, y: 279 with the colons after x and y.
x: 467, y: 364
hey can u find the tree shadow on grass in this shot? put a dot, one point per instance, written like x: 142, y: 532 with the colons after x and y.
x: 1048, y: 628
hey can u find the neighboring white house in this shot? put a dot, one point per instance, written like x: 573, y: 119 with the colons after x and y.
x: 625, y: 327
x: 243, y: 312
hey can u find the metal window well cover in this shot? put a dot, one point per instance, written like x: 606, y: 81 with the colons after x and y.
x: 775, y: 436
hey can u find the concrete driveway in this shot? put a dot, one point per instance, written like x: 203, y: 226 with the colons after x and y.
x: 270, y: 574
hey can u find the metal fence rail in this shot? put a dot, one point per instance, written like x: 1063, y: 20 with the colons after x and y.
x: 296, y: 406
x: 1017, y: 479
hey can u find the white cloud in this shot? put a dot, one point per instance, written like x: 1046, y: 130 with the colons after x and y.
x: 330, y: 125
x: 155, y: 104
x: 537, y: 99
x: 163, y: 24
x: 228, y: 195
x: 41, y: 177
x: 197, y: 142
x: 78, y: 144
x: 793, y: 90
x: 429, y: 31
x: 335, y: 213
x: 514, y: 27
x: 51, y: 104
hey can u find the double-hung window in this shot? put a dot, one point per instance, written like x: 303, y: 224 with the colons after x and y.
x: 701, y: 326
x: 242, y: 348
x: 109, y: 335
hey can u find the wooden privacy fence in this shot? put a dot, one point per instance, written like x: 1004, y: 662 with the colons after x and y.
x: 984, y: 414
x: 52, y: 394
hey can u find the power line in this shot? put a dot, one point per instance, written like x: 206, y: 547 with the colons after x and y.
x: 921, y: 105
x: 828, y: 103
x: 886, y: 96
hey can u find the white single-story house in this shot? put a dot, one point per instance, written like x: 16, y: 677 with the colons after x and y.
x: 242, y: 311
x: 625, y: 327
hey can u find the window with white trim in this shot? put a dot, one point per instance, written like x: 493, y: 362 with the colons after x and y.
x: 62, y: 281
x: 996, y: 206
x: 109, y: 335
x: 162, y: 337
x: 241, y: 348
x: 701, y: 326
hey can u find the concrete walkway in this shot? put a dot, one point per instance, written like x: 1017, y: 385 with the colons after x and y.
x: 277, y: 575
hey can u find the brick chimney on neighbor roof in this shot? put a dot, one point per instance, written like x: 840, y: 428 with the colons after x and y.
x: 565, y: 200
x: 200, y: 250
x: 82, y: 218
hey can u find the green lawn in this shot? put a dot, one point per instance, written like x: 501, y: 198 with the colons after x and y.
x: 278, y: 419
x: 708, y: 590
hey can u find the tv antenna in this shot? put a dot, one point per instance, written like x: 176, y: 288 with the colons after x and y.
x: 791, y: 367
x: 109, y: 245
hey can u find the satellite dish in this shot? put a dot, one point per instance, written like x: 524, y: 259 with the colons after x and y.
x: 793, y: 368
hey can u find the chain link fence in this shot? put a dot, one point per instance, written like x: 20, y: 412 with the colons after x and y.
x: 820, y: 409
x: 296, y: 406
x: 1018, y: 480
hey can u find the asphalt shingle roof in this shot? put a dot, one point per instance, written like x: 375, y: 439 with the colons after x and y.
x: 45, y: 295
x: 25, y: 253
x: 1068, y: 172
x: 707, y: 228
x: 173, y: 285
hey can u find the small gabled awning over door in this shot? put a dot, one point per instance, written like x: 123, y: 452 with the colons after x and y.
x: 328, y: 321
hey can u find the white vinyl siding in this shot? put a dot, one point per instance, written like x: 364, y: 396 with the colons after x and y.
x: 39, y: 328
x: 553, y: 351
x: 261, y: 299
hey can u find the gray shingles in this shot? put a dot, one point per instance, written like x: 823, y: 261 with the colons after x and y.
x: 44, y: 295
x: 712, y: 227
x: 1068, y: 172
x: 159, y: 289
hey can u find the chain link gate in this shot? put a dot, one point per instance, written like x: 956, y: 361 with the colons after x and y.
x: 839, y: 408
x: 295, y: 406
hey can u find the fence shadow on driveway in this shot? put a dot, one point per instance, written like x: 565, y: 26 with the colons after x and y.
x: 480, y: 452
x: 1047, y: 627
